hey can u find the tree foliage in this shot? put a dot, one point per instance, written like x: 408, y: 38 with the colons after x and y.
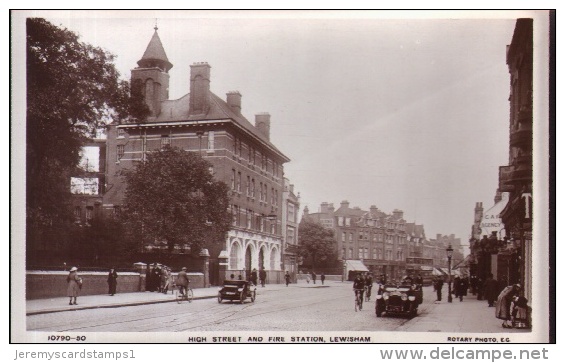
x: 315, y: 242
x: 73, y: 88
x: 173, y: 199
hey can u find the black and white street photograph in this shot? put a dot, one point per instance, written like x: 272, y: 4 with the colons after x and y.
x: 197, y: 176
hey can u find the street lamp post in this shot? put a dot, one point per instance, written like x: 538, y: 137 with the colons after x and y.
x: 449, y: 251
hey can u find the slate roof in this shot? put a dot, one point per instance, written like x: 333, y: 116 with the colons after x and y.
x: 155, y: 52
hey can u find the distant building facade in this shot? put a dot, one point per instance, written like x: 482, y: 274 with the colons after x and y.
x: 291, y: 208
x: 374, y: 237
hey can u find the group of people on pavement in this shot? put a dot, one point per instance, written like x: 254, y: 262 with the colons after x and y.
x: 262, y: 275
x: 312, y: 275
x: 75, y: 281
x: 159, y: 278
x: 510, y: 305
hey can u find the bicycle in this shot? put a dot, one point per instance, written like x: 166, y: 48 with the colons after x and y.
x: 358, y: 300
x: 181, y: 296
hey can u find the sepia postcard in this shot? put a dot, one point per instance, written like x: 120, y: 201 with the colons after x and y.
x: 280, y: 177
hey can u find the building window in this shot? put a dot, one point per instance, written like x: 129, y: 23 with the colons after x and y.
x: 290, y: 236
x: 234, y: 215
x: 120, y: 152
x: 260, y: 191
x: 342, y: 253
x: 239, y: 181
x: 89, y: 214
x: 291, y: 214
x: 248, y: 218
x: 365, y: 252
x: 351, y: 237
x: 78, y: 213
x: 253, y: 188
x: 210, y: 140
x: 265, y: 196
x: 165, y: 141
x: 343, y: 236
x: 121, y: 133
x: 248, y: 186
x: 374, y: 253
x: 233, y: 179
x: 350, y: 253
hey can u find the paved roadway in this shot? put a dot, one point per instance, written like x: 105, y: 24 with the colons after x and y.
x: 294, y: 308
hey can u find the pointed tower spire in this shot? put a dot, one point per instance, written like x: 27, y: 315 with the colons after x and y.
x: 155, y: 55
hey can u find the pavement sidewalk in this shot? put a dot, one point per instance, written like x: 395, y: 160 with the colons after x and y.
x: 58, y: 304
x: 467, y: 316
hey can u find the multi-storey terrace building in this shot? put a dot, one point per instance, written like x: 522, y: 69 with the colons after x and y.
x: 373, y: 237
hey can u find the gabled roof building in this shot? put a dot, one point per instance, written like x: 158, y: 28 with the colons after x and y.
x: 241, y: 153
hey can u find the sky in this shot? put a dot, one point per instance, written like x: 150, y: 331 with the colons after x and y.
x: 404, y: 113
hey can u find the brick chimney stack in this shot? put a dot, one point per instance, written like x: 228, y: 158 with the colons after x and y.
x: 233, y: 99
x: 263, y: 124
x: 199, y: 88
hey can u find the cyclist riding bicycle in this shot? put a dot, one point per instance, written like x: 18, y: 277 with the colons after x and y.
x: 369, y: 284
x: 359, y: 287
x: 182, y: 281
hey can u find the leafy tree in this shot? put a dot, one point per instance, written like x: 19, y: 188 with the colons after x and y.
x: 173, y: 199
x: 315, y: 242
x: 72, y: 90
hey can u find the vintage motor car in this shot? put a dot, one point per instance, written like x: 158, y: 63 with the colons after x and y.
x: 402, y: 299
x: 237, y: 290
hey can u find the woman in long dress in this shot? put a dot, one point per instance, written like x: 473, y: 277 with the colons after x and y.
x: 503, y: 304
x: 74, y: 283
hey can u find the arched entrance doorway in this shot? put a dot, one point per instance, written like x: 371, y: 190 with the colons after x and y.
x: 262, y: 258
x: 247, y: 265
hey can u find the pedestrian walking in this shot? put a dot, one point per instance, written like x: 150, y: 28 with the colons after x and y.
x: 438, y: 285
x: 456, y: 286
x: 490, y: 290
x: 262, y: 276
x: 314, y: 277
x: 503, y: 302
x: 461, y: 288
x: 74, y: 284
x: 171, y: 282
x: 112, y: 281
x: 164, y: 279
x: 480, y: 284
x: 253, y: 277
x: 287, y: 278
x: 307, y: 278
x: 322, y: 278
x: 156, y: 278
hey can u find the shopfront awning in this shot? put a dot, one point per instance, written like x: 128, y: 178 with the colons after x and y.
x: 356, y: 265
x: 437, y: 272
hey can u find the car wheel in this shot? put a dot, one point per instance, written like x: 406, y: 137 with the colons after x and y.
x: 253, y: 296
x: 220, y: 298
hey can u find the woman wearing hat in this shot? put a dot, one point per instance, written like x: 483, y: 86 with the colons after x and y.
x: 74, y: 283
x: 503, y: 303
